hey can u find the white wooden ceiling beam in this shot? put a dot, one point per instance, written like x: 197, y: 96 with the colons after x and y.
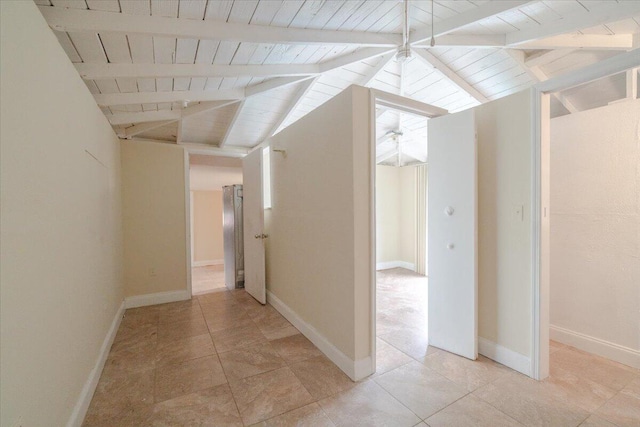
x: 607, y: 67
x: 564, y: 41
x: 387, y: 155
x: 544, y: 57
x: 434, y: 62
x: 461, y: 20
x: 232, y: 124
x: 583, y: 41
x: 206, y: 149
x: 97, y: 71
x: 600, y: 14
x: 373, y: 73
x: 109, y: 99
x: 171, y: 115
x: 537, y: 75
x: 77, y: 20
x: 275, y: 83
x: 632, y: 83
x: 134, y: 130
x: 295, y: 101
x: 408, y: 105
x: 357, y: 56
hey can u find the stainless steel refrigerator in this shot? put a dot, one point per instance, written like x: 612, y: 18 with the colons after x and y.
x: 232, y: 232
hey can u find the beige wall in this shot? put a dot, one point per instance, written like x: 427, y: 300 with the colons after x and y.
x: 595, y: 226
x: 207, y: 226
x: 61, y: 247
x: 387, y: 214
x: 504, y: 240
x: 408, y: 211
x: 319, y: 246
x: 395, y: 215
x: 154, y: 209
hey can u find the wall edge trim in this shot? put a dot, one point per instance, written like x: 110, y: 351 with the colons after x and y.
x: 156, y: 298
x: 86, y: 394
x: 355, y: 369
x: 207, y: 262
x: 616, y: 352
x: 507, y: 357
x: 395, y: 264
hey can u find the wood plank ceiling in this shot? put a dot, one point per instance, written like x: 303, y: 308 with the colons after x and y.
x: 232, y: 73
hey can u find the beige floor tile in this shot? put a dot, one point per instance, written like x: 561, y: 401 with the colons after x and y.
x: 206, y: 408
x: 132, y: 416
x: 264, y: 396
x: 470, y: 374
x: 215, y: 297
x: 249, y: 361
x: 275, y: 334
x: 593, y: 368
x: 367, y: 404
x: 595, y: 421
x: 472, y: 412
x: 633, y: 388
x: 179, y: 312
x: 268, y: 319
x: 578, y: 390
x: 221, y: 320
x: 307, y: 416
x: 185, y: 349
x: 120, y: 395
x: 555, y: 346
x: 420, y: 389
x: 133, y: 332
x: 321, y: 377
x: 237, y: 338
x: 623, y: 410
x: 388, y: 357
x: 196, y: 374
x: 530, y: 402
x: 411, y: 342
x: 133, y: 358
x: 168, y: 332
x: 295, y: 348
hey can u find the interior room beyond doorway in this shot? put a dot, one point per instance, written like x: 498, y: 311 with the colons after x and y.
x: 208, y: 174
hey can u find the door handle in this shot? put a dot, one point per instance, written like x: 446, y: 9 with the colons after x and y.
x: 261, y: 236
x: 258, y: 236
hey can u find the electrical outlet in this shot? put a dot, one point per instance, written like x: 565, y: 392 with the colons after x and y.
x: 152, y: 272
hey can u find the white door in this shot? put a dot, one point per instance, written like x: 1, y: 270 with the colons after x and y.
x: 453, y: 236
x: 253, y: 224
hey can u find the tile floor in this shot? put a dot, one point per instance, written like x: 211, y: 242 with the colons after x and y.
x: 206, y: 279
x: 222, y: 359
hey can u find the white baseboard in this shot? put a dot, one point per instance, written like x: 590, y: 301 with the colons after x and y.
x: 82, y: 405
x: 512, y: 359
x: 355, y: 369
x: 157, y: 298
x: 618, y: 353
x: 207, y: 262
x: 395, y: 264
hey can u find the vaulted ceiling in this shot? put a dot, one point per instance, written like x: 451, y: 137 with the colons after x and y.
x: 230, y: 74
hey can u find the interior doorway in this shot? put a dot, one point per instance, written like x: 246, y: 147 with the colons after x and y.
x: 401, y: 236
x: 208, y: 175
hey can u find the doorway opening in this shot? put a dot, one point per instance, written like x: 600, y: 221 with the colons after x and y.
x: 208, y: 175
x: 401, y: 237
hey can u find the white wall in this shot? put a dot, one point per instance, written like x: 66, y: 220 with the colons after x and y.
x: 504, y: 238
x: 319, y: 254
x: 154, y: 211
x: 395, y: 217
x: 207, y: 236
x: 595, y: 230
x: 61, y: 247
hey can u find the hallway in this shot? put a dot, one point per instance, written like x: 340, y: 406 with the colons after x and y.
x: 206, y: 279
